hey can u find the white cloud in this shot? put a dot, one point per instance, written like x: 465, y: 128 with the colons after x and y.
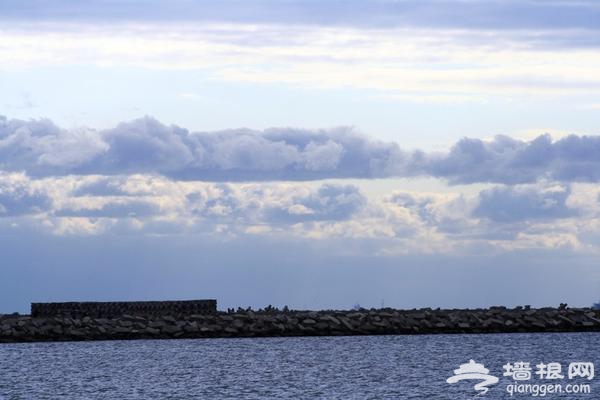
x: 461, y: 64
x: 504, y: 218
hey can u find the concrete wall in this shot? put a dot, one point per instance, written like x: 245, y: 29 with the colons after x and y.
x: 115, y: 309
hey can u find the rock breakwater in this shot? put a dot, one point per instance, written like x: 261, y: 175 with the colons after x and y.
x: 273, y: 322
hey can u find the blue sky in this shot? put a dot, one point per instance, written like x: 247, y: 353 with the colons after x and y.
x: 314, y: 154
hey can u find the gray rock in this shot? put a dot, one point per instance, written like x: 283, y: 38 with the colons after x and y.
x: 170, y: 329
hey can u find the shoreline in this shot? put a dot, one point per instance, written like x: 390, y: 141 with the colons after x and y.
x: 276, y: 323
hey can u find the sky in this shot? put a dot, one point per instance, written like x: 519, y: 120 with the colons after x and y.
x: 314, y: 154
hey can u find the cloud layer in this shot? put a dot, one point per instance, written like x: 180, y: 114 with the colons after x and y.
x: 146, y: 178
x: 146, y: 146
x: 426, y: 54
x: 540, y: 215
x: 509, y: 14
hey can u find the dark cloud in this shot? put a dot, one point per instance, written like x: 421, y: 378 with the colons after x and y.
x: 21, y: 142
x: 277, y: 204
x: 501, y: 15
x: 329, y: 202
x: 17, y: 198
x: 39, y: 147
x: 504, y: 160
x: 117, y: 209
x: 510, y: 161
x: 419, y: 205
x: 104, y: 186
x: 577, y: 158
x: 146, y: 146
x: 143, y: 145
x: 16, y: 204
x: 224, y: 204
x: 515, y: 204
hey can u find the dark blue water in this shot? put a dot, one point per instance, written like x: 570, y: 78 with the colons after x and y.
x: 367, y: 367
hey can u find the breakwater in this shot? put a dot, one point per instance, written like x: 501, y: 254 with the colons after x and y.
x: 273, y: 322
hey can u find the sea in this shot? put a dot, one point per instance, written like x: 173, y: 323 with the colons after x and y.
x: 353, y: 367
